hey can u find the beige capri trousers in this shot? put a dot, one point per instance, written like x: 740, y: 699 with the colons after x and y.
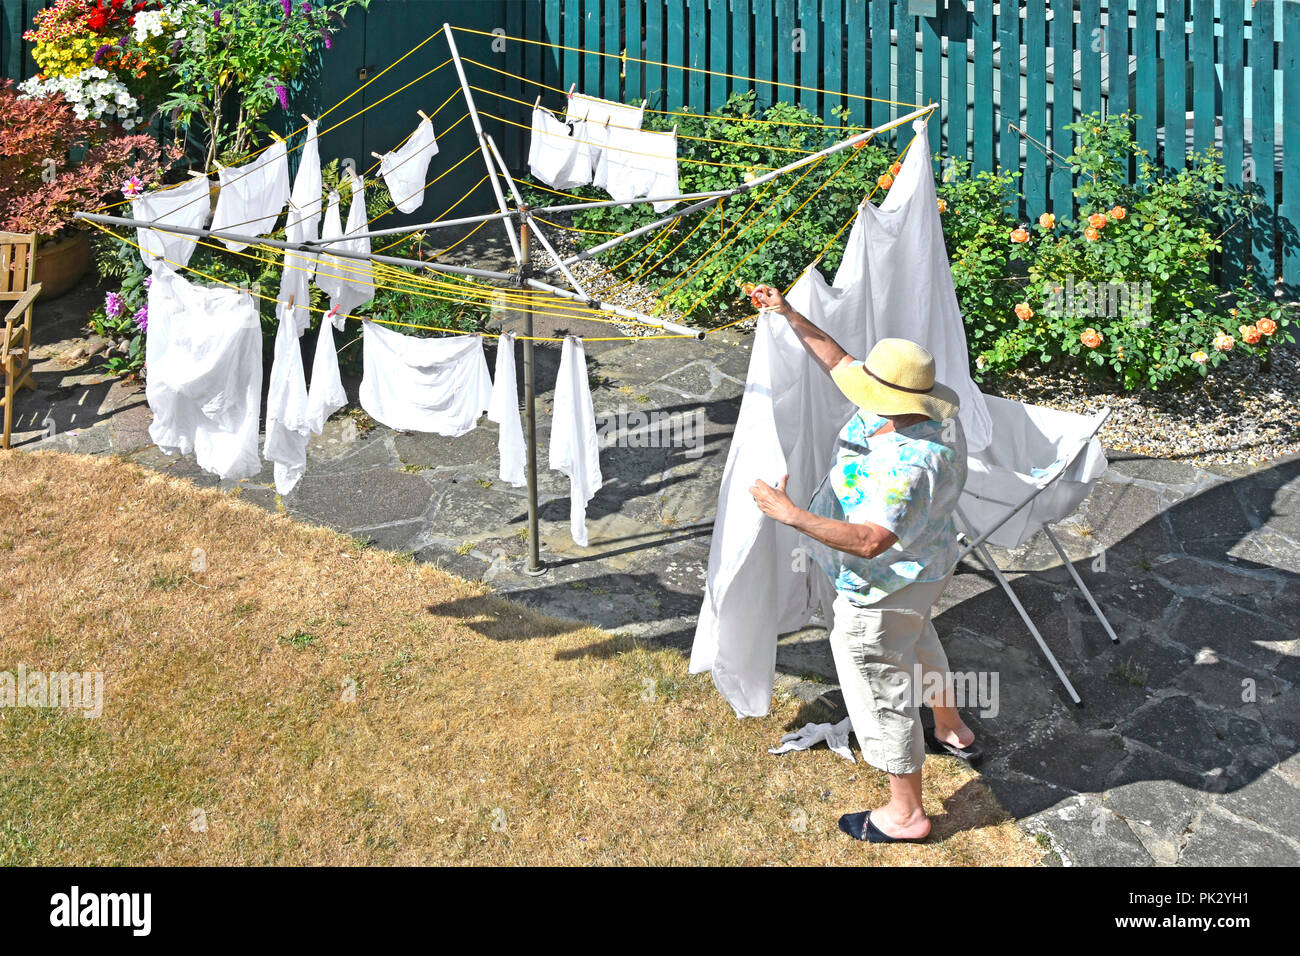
x: 877, y: 648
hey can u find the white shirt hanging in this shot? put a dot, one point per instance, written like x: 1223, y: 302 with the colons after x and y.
x: 424, y: 385
x: 348, y: 282
x: 204, y: 353
x: 253, y: 195
x: 286, y: 407
x: 405, y: 168
x: 637, y: 164
x: 575, y: 446
x: 504, y: 410
x: 186, y: 205
x: 558, y: 153
x: 599, y: 115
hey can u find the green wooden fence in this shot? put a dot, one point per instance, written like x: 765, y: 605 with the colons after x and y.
x: 1199, y: 73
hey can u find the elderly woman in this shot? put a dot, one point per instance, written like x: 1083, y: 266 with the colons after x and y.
x: 885, y: 512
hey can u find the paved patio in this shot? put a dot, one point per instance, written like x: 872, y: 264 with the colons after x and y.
x: 1185, y: 751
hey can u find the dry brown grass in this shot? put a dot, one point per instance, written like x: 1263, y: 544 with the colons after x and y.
x: 482, y: 732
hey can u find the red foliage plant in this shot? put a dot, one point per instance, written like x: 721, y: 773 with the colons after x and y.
x: 41, y: 185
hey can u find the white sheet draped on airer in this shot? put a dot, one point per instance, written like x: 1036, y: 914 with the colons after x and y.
x: 252, y: 196
x: 575, y: 446
x: 405, y: 168
x: 187, y: 206
x: 639, y: 163
x: 504, y: 410
x: 894, y: 281
x: 348, y: 282
x: 557, y: 157
x: 204, y: 352
x: 599, y: 115
x: 424, y: 385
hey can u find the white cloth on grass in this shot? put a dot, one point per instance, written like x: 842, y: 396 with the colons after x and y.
x: 424, y: 385
x: 558, y: 155
x: 187, y: 206
x: 326, y: 395
x: 405, y: 168
x: 504, y: 410
x: 347, y: 281
x: 894, y: 280
x: 834, y: 736
x: 599, y: 115
x: 575, y: 446
x: 305, y: 206
x: 635, y: 164
x: 204, y: 353
x: 252, y: 195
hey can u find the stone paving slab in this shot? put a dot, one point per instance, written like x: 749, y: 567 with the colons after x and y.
x: 1186, y: 748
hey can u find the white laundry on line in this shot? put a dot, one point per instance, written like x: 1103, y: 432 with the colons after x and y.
x: 305, y: 205
x: 424, y: 385
x: 575, y: 446
x: 404, y: 168
x: 286, y: 407
x: 636, y: 164
x: 557, y: 155
x: 187, y: 206
x: 325, y: 395
x: 504, y: 410
x: 598, y: 115
x: 204, y: 353
x: 253, y: 195
x: 791, y: 414
x: 347, y: 281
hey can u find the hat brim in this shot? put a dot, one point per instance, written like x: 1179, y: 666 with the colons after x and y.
x: 940, y: 403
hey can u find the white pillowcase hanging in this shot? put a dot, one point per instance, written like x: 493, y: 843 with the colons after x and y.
x: 252, y: 196
x: 405, y: 168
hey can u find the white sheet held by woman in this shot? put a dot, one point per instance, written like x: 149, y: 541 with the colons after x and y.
x: 575, y: 445
x: 204, y: 352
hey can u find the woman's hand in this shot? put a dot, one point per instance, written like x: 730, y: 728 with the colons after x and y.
x: 773, y: 501
x: 766, y: 297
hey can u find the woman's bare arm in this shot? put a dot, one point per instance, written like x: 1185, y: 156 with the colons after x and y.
x: 824, y: 349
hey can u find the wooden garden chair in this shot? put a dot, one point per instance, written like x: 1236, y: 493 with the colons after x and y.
x: 17, y: 259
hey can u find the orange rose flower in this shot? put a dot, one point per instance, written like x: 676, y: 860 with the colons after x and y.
x: 1090, y: 338
x: 1047, y: 220
x: 895, y: 169
x: 1250, y: 334
x: 885, y: 181
x: 1097, y: 220
x: 1091, y: 234
x: 1118, y: 212
x: 748, y: 288
x: 1019, y: 234
x: 1266, y: 325
x: 1199, y: 357
x: 1023, y: 312
x: 943, y: 206
x: 1223, y: 342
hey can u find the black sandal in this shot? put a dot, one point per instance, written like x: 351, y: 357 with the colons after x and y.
x: 860, y: 827
x: 972, y: 754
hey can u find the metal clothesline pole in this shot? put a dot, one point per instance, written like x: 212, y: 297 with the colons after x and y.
x: 618, y: 310
x: 535, y: 566
x: 294, y: 246
x: 482, y: 142
x: 421, y: 227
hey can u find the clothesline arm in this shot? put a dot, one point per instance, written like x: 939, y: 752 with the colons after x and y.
x: 618, y: 310
x: 420, y: 227
x: 292, y: 246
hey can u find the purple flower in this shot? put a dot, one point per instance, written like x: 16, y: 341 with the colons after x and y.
x: 148, y: 281
x: 288, y: 7
x: 329, y: 44
x: 216, y: 18
x: 133, y: 188
x: 142, y: 317
x: 113, y: 306
x: 99, y: 54
x: 283, y: 93
x: 306, y: 8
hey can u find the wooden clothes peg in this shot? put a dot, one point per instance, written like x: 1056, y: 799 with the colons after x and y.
x: 423, y: 115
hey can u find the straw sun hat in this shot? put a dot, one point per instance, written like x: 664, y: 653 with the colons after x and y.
x: 897, y: 378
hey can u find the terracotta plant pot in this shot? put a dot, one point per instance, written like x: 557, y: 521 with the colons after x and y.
x: 61, y: 265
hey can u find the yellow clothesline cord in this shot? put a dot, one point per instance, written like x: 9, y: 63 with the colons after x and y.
x: 686, y: 113
x: 623, y: 58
